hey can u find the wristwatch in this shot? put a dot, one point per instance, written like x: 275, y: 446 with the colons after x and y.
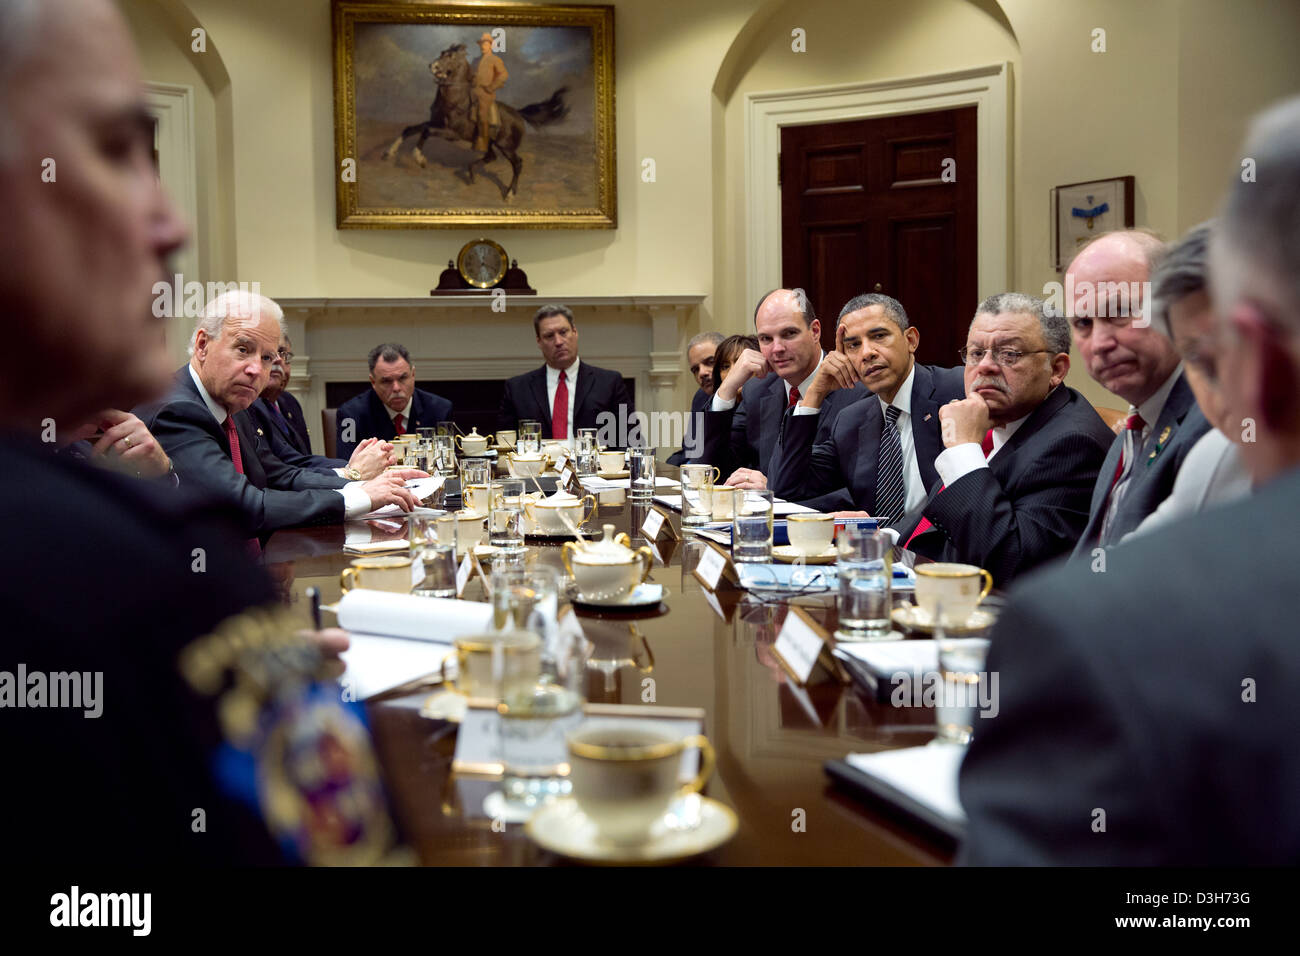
x: 351, y: 474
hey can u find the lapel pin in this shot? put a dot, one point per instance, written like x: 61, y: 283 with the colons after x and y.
x: 927, y: 417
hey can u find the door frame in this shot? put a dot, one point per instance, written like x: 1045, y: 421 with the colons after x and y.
x: 987, y: 87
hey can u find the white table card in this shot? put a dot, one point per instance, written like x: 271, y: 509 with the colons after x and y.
x: 654, y: 522
x: 566, y: 475
x: 798, y: 646
x: 712, y: 563
x: 462, y: 574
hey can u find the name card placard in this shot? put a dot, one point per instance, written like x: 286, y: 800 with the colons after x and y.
x: 566, y: 476
x: 799, y: 645
x: 462, y: 574
x: 712, y: 563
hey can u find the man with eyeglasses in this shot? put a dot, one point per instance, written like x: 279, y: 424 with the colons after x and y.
x: 1021, y: 450
x: 1141, y: 366
x: 279, y: 420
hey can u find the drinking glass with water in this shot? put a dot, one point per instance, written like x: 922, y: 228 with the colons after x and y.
x: 865, y: 573
x: 751, y: 525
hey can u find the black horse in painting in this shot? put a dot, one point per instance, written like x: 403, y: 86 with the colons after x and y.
x: 450, y: 117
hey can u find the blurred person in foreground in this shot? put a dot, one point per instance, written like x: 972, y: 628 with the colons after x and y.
x: 135, y: 624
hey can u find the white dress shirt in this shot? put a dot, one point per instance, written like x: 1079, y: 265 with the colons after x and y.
x: 722, y: 405
x: 355, y: 501
x: 913, y: 484
x: 553, y: 383
x: 960, y: 460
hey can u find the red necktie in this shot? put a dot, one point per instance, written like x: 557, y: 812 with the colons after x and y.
x: 399, y: 422
x: 233, y: 437
x: 924, y: 525
x: 794, y: 398
x: 560, y: 410
x: 1132, y: 433
x: 252, y: 544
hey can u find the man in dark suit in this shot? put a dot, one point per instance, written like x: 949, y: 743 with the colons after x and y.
x: 740, y: 436
x: 875, y: 346
x: 567, y: 394
x: 277, y: 417
x: 699, y: 354
x: 115, y: 580
x: 1140, y: 365
x: 1021, y: 451
x: 1147, y: 703
x: 393, y: 405
x: 215, y: 446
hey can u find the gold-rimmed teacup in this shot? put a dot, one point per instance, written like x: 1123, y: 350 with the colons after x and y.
x: 391, y: 572
x: 810, y: 533
x: 626, y: 774
x: 479, y: 674
x: 955, y: 588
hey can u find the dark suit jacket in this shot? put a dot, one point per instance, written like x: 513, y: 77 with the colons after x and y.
x: 106, y: 583
x: 1153, y: 480
x: 598, y: 390
x: 1029, y: 505
x: 810, y: 460
x: 284, y: 442
x: 692, y: 439
x: 746, y: 436
x: 269, y: 495
x: 371, y: 419
x: 1125, y: 691
x: 294, y: 427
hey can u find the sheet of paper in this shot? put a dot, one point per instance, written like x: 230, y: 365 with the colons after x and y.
x: 779, y: 508
x: 926, y: 774
x: 602, y: 484
x: 422, y: 488
x: 376, y: 663
x: 886, y: 658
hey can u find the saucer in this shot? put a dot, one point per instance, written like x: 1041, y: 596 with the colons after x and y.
x: 789, y: 554
x: 563, y: 828
x: 913, y: 618
x: 648, y: 594
x: 445, y: 705
x: 485, y: 550
x: 610, y: 475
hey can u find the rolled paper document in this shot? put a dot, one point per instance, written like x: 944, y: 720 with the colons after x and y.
x: 441, y: 620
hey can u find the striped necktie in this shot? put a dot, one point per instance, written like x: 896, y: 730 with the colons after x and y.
x: 890, y: 498
x: 1133, y: 428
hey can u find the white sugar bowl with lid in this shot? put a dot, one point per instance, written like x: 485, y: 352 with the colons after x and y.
x: 559, y: 513
x: 607, y: 569
x: 473, y: 444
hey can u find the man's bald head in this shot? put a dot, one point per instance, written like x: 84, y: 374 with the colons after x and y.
x: 1110, y: 282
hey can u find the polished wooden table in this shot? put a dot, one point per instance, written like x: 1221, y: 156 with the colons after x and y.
x: 771, y: 740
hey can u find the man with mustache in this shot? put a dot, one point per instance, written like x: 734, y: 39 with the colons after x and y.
x: 881, y: 451
x: 1141, y: 366
x: 1021, y: 450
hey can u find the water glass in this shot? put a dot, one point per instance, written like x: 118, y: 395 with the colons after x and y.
x: 426, y: 434
x: 588, y: 452
x: 697, y: 494
x: 439, y: 571
x: 961, y: 671
x: 641, y: 467
x: 530, y: 437
x: 865, y: 571
x: 533, y: 724
x: 444, y: 454
x: 751, y: 525
x: 506, y: 518
x: 446, y: 429
x: 525, y: 599
x: 474, y: 471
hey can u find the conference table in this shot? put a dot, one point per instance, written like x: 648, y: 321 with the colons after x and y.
x: 698, y: 649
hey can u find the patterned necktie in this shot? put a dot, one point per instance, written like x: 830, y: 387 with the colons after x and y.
x: 1133, y: 426
x: 794, y: 398
x: 922, y: 526
x: 560, y: 410
x: 275, y: 407
x: 233, y: 437
x: 399, y: 422
x: 890, y: 498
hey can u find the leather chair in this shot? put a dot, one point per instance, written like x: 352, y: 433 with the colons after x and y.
x: 1113, y: 417
x: 329, y: 423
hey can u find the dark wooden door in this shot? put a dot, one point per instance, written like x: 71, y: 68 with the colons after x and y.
x: 875, y: 206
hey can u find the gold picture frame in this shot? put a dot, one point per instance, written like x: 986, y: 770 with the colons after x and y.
x: 549, y: 162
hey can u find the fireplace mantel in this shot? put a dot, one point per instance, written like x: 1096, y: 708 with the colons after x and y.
x: 471, y: 337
